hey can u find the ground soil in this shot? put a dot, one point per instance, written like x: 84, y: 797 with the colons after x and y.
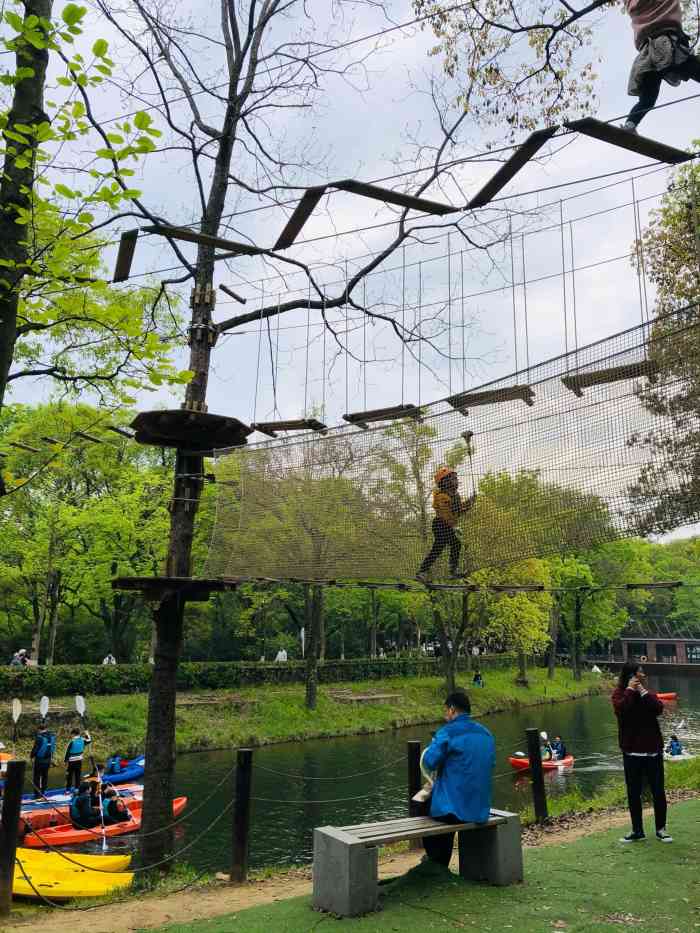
x: 201, y: 903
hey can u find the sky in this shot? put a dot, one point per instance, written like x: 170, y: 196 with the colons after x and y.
x: 493, y: 312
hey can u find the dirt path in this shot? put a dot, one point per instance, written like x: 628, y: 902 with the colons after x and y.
x: 152, y: 911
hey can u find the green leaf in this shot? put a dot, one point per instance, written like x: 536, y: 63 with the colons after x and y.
x: 15, y: 21
x: 100, y: 47
x: 86, y: 217
x: 64, y: 82
x: 64, y: 191
x: 104, y: 154
x: 142, y: 120
x: 73, y: 14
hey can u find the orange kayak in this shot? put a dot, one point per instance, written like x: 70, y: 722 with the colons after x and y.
x: 522, y: 764
x: 667, y: 696
x: 67, y: 834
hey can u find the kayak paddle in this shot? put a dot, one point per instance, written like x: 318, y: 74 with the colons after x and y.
x: 81, y: 709
x: 43, y: 709
x: 16, y: 713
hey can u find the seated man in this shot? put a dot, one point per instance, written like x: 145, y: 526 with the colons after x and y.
x: 113, y: 808
x: 463, y: 754
x: 83, y: 813
x: 558, y: 748
x: 113, y: 765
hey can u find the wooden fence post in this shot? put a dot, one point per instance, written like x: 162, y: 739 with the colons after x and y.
x: 241, y: 816
x: 9, y: 829
x: 539, y: 797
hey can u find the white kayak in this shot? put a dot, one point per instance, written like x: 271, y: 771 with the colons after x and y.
x: 684, y: 756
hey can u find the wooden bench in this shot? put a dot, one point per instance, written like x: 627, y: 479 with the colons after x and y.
x: 346, y: 857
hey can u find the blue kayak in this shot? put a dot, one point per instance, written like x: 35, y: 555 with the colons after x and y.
x: 128, y: 775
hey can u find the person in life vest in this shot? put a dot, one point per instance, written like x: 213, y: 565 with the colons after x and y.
x: 83, y: 813
x: 114, y: 810
x: 663, y: 54
x: 74, y: 757
x: 558, y: 748
x: 674, y: 746
x: 113, y: 765
x: 448, y: 507
x: 42, y: 754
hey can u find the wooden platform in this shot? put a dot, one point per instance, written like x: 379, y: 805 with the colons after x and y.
x: 616, y: 136
x: 363, y: 419
x: 510, y: 169
x: 156, y: 588
x: 466, y: 400
x: 577, y: 382
x: 192, y: 430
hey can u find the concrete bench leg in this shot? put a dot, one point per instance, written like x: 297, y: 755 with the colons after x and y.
x: 344, y: 873
x: 492, y: 854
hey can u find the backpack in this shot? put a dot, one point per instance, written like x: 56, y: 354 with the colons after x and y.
x: 46, y: 746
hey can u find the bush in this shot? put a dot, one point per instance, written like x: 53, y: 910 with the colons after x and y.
x: 90, y: 679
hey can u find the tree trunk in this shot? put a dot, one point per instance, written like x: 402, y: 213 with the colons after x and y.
x: 374, y: 623
x: 521, y: 680
x: 17, y: 182
x: 321, y: 635
x: 53, y: 601
x: 576, y: 637
x: 313, y: 605
x: 554, y: 620
x: 342, y: 644
x: 37, y: 625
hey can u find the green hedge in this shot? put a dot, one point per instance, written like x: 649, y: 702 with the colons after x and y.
x: 89, y: 679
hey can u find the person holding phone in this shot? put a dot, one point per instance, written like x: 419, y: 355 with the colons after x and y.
x: 638, y: 710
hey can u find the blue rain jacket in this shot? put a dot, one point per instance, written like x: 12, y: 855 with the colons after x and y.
x: 463, y: 753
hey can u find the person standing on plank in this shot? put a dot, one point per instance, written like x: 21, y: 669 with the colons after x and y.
x: 663, y: 54
x: 638, y: 711
x: 448, y: 507
x: 74, y: 757
x: 463, y: 754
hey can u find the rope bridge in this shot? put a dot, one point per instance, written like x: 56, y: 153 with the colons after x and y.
x: 576, y: 451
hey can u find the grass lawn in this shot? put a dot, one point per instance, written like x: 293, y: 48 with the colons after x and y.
x: 259, y: 715
x: 590, y: 885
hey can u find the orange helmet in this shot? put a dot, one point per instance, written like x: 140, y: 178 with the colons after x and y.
x: 442, y: 473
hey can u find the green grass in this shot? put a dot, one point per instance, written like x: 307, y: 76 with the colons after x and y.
x: 592, y: 885
x: 277, y: 714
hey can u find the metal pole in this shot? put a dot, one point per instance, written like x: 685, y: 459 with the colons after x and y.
x: 241, y: 816
x: 414, y: 783
x: 539, y: 797
x: 9, y: 828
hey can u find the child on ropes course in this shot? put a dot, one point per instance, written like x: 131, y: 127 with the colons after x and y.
x: 663, y: 54
x: 448, y: 507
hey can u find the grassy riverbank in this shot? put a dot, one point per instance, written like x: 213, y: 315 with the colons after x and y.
x: 590, y: 884
x: 262, y: 715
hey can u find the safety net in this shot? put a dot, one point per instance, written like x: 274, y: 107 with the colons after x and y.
x: 600, y: 443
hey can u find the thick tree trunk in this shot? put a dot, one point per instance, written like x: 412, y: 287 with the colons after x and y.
x: 314, y: 612
x: 521, y: 679
x: 37, y: 626
x: 322, y: 637
x: 17, y: 182
x: 374, y: 623
x: 554, y: 620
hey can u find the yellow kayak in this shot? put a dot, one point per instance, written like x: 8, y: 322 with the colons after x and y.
x: 46, y: 861
x: 67, y: 885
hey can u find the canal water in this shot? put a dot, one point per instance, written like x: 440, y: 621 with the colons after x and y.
x: 297, y: 786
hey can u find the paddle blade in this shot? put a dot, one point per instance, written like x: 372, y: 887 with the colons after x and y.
x: 16, y: 710
x: 80, y: 705
x: 44, y: 706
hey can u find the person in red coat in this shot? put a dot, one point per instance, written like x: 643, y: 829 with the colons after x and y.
x: 638, y: 711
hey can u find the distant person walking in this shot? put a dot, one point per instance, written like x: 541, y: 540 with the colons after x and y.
x: 109, y: 660
x: 638, y: 710
x: 463, y: 754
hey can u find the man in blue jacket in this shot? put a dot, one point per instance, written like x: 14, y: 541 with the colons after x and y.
x: 463, y: 754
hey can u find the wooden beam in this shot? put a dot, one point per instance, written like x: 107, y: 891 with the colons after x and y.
x: 300, y: 215
x: 125, y: 255
x: 20, y: 446
x: 121, y: 431
x: 203, y: 239
x: 510, y: 169
x: 300, y: 424
x: 466, y: 400
x: 362, y: 419
x: 577, y: 382
x: 230, y: 292
x: 88, y: 437
x: 377, y: 193
x: 616, y: 136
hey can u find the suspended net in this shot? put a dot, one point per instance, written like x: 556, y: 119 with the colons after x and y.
x: 600, y: 443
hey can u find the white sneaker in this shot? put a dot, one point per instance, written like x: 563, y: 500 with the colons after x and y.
x: 663, y: 836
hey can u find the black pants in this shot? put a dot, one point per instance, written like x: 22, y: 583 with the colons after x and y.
x: 651, y: 85
x: 439, y: 848
x: 40, y: 777
x: 636, y: 770
x: 443, y: 536
x: 74, y: 770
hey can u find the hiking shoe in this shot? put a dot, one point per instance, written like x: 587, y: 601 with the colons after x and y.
x: 629, y: 127
x: 634, y: 837
x: 663, y: 836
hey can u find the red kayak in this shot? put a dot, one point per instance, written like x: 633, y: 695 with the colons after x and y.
x: 522, y: 764
x: 55, y: 811
x: 667, y: 696
x: 68, y: 835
